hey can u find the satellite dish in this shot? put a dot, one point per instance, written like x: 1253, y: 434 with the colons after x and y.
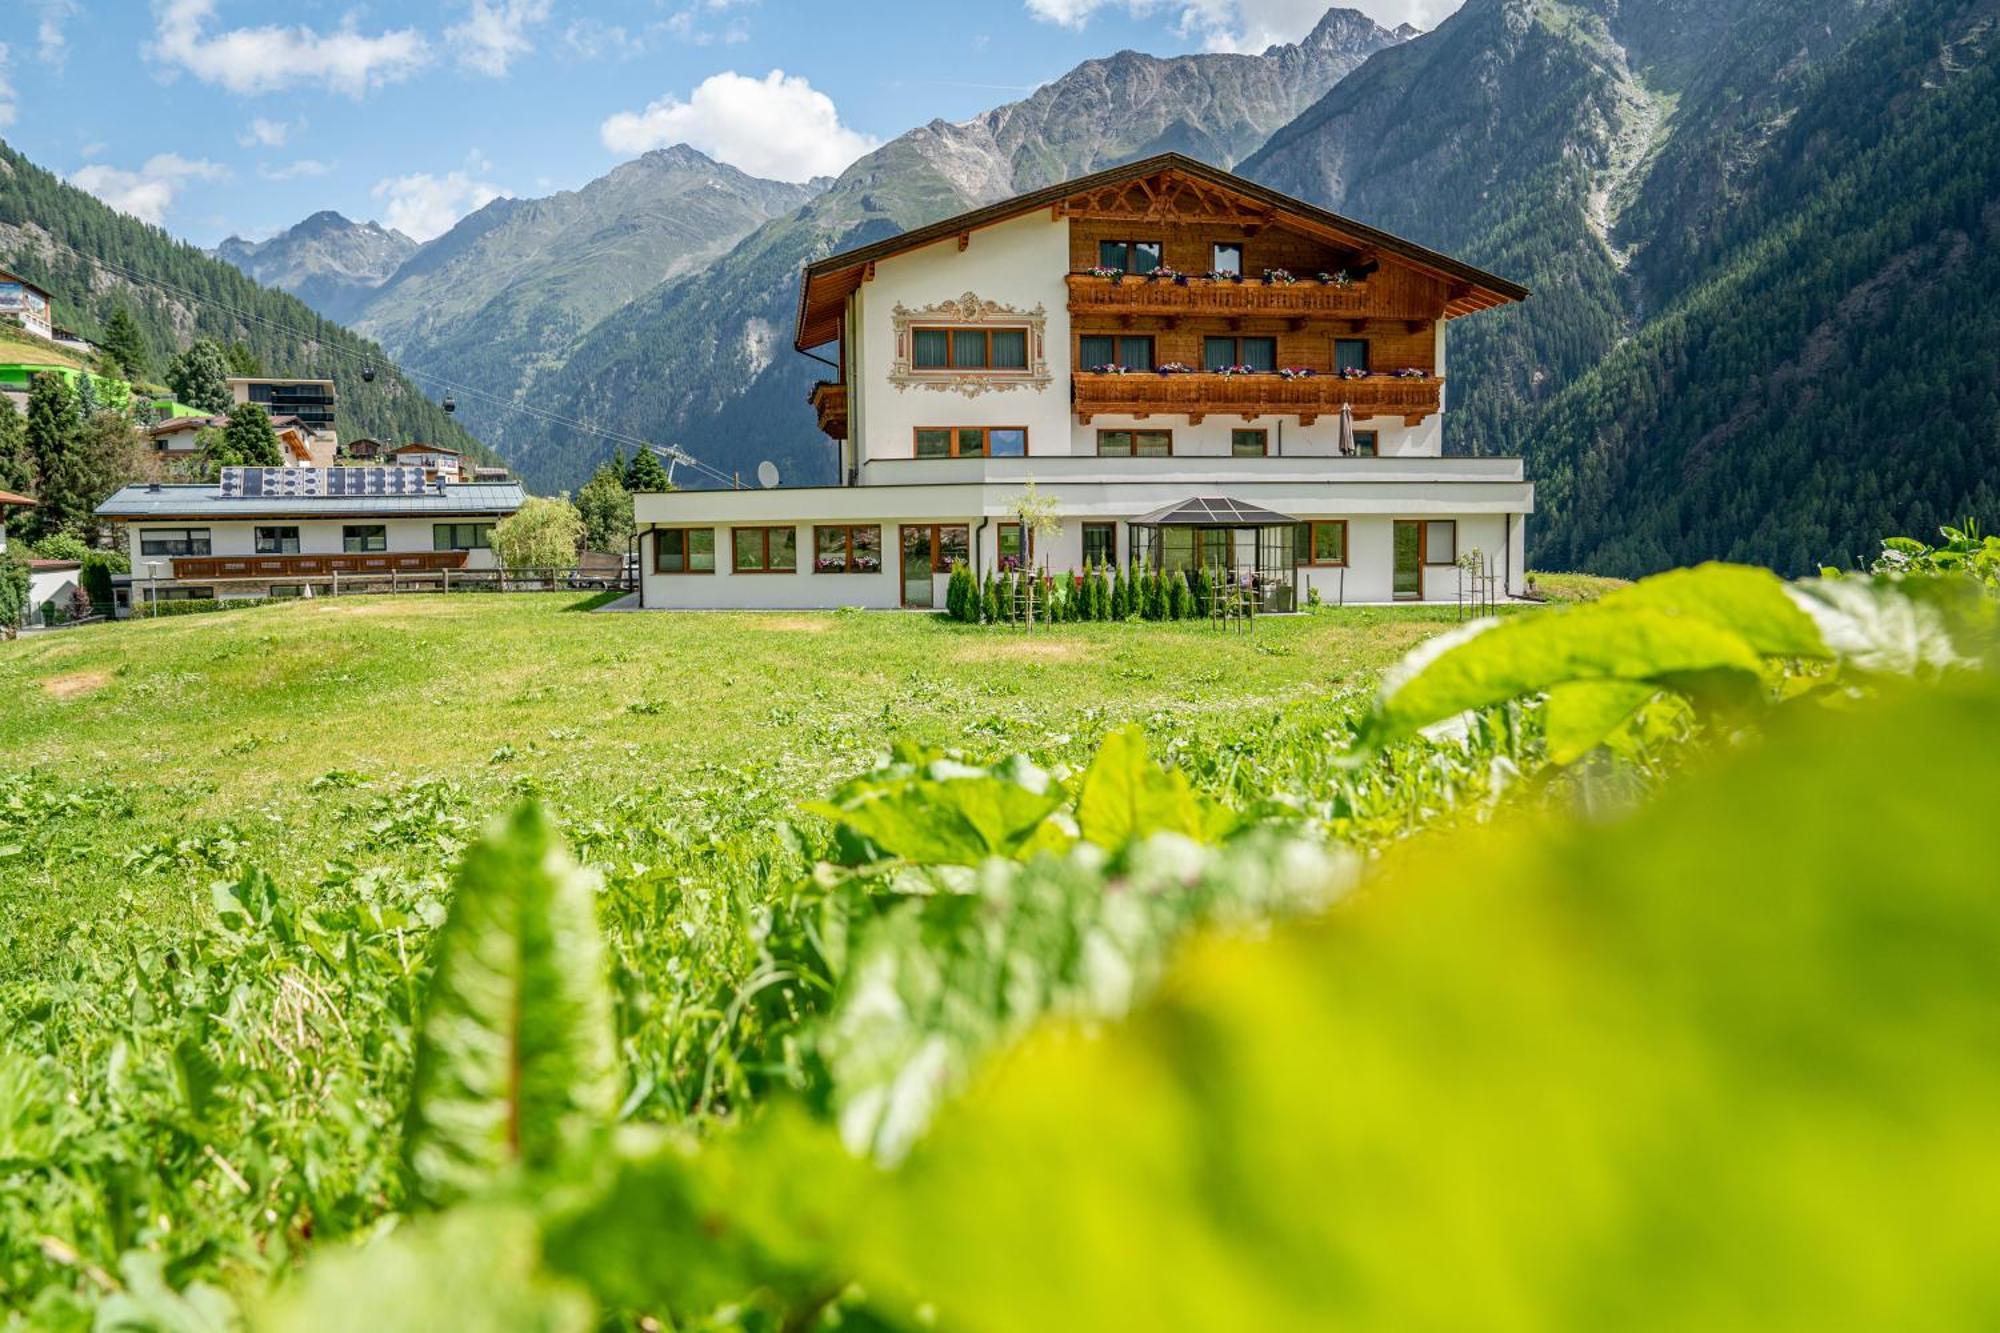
x: 767, y: 474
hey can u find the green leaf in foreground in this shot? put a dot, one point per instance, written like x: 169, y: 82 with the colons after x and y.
x: 1125, y: 796
x: 939, y: 812
x: 1725, y: 1065
x: 515, y: 1070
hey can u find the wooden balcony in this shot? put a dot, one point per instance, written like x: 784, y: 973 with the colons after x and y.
x: 829, y: 400
x: 1194, y: 396
x: 299, y: 566
x: 1306, y: 299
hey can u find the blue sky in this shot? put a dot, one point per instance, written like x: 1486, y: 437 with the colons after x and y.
x: 216, y: 116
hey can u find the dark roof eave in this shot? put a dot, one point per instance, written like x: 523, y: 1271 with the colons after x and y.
x: 1050, y: 194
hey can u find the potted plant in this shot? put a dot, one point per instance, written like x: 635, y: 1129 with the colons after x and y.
x: 1278, y: 277
x: 1296, y: 373
x: 1174, y: 368
x: 1107, y: 369
x: 1116, y: 275
x: 1341, y: 279
x: 1412, y: 373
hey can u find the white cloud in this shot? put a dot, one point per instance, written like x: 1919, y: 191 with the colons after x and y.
x: 777, y: 126
x: 51, y: 44
x: 6, y: 91
x: 271, y: 58
x: 305, y: 166
x: 148, y: 193
x: 422, y: 206
x: 495, y: 33
x: 263, y: 133
x: 1244, y: 25
x: 591, y: 38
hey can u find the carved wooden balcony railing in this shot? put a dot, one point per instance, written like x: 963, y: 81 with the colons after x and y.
x: 829, y: 399
x: 1195, y: 396
x: 295, y: 566
x: 1306, y: 298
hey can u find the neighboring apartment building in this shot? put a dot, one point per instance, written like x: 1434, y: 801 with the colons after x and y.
x: 311, y: 401
x: 438, y: 462
x: 1116, y: 339
x: 25, y: 304
x: 265, y: 531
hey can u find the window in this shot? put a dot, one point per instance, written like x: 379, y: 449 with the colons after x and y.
x: 1350, y: 354
x: 173, y: 541
x: 684, y: 551
x: 277, y: 541
x: 461, y: 536
x: 847, y: 550
x: 1365, y: 444
x: 361, y: 538
x: 1135, y: 444
x: 969, y: 349
x: 971, y: 441
x: 1323, y: 543
x: 1441, y: 541
x: 765, y: 550
x: 1197, y: 548
x: 1256, y: 353
x: 1249, y: 443
x: 1102, y: 349
x: 1011, y: 546
x: 948, y: 544
x: 1129, y: 256
x: 1100, y: 544
x: 1227, y: 257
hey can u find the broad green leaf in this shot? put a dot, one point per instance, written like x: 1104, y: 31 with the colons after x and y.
x: 1125, y: 796
x: 515, y: 1070
x: 28, y: 1095
x: 147, y: 1303
x: 1751, y: 603
x: 1725, y: 1064
x: 944, y: 813
x: 197, y: 1077
x: 473, y: 1269
x: 1581, y: 714
x: 1532, y: 653
x: 1889, y: 627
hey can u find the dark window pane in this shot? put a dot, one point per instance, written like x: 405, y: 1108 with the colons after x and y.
x: 1153, y: 443
x: 749, y: 545
x: 830, y: 550
x: 971, y: 442
x: 1350, y: 354
x: 1364, y: 443
x: 1095, y: 350
x: 1260, y: 353
x: 1010, y: 349
x: 1010, y: 546
x: 785, y: 549
x: 953, y: 545
x: 1247, y: 443
x: 1111, y: 254
x: 968, y: 349
x: 1176, y: 548
x: 1329, y: 543
x: 670, y: 551
x: 1007, y: 443
x: 867, y: 550
x: 1136, y: 353
x: 1228, y: 259
x: 1218, y: 353
x: 929, y: 349
x: 1100, y: 543
x: 1145, y: 256
x: 1114, y: 444
x: 933, y: 444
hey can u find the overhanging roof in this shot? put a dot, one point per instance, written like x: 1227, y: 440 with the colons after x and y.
x: 827, y: 283
x: 1213, y: 511
x: 207, y: 502
x: 9, y: 498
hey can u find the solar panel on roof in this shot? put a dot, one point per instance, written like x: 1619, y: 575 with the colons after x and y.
x: 265, y: 483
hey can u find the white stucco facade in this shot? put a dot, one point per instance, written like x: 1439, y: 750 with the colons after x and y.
x: 1013, y: 273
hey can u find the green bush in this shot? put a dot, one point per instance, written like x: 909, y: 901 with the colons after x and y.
x: 197, y: 606
x: 958, y: 594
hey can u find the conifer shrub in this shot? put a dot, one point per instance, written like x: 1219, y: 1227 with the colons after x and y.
x: 1183, y: 604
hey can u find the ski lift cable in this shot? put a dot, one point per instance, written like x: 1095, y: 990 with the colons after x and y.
x: 504, y: 404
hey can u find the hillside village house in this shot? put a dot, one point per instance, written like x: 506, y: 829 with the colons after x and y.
x: 24, y: 304
x: 261, y: 532
x: 438, y: 462
x: 1201, y: 373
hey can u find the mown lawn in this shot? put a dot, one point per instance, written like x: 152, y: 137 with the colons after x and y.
x: 300, y: 739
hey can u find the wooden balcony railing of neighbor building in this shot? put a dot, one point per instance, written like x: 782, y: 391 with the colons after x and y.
x: 293, y: 566
x: 1196, y: 395
x: 1306, y: 298
x: 829, y: 399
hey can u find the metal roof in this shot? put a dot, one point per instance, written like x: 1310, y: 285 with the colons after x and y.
x: 1213, y: 511
x: 208, y: 501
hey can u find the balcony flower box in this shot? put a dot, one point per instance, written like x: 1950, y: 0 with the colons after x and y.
x: 1296, y: 373
x: 1279, y: 277
x: 1175, y: 368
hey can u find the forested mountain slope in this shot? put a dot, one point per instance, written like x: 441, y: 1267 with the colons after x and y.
x: 1731, y: 212
x: 706, y: 362
x: 54, y: 234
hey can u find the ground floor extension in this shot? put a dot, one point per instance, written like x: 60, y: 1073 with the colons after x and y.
x: 1400, y: 535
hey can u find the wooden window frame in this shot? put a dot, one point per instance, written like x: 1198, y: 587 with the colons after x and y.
x: 936, y: 530
x: 1112, y: 529
x: 1215, y: 253
x: 1118, y: 341
x: 957, y: 432
x: 848, y: 548
x: 1263, y: 435
x: 1312, y: 560
x: 687, y: 551
x: 1424, y: 543
x: 986, y: 332
x: 346, y: 531
x: 1135, y: 432
x: 764, y: 532
x: 1239, y: 339
x: 1367, y: 354
x: 258, y: 530
x: 1131, y: 245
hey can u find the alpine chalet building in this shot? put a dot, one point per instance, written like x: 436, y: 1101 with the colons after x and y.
x: 1199, y: 371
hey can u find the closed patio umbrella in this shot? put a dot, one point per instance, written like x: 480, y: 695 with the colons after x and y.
x: 1347, y: 430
